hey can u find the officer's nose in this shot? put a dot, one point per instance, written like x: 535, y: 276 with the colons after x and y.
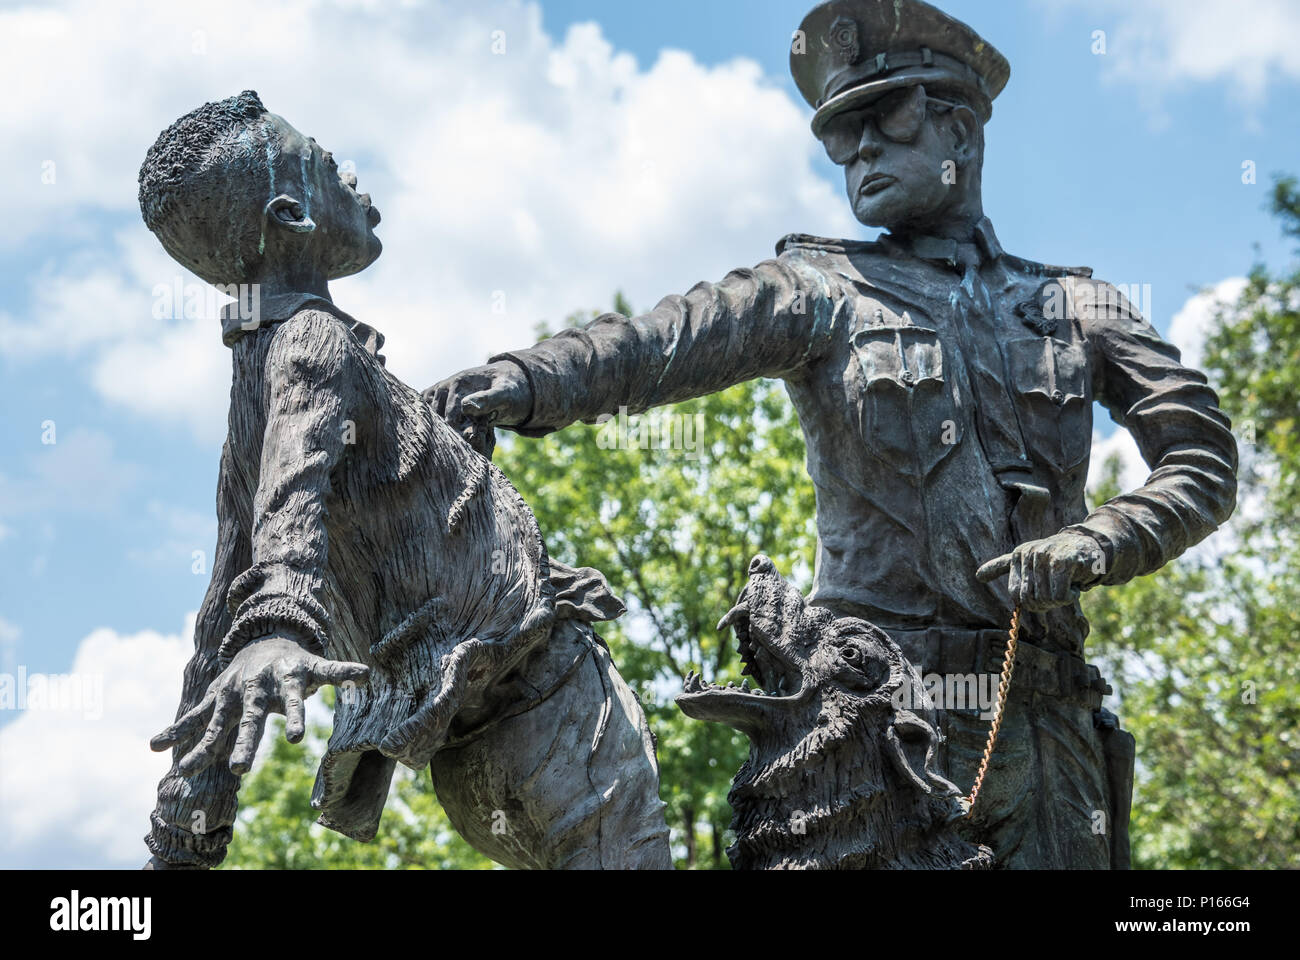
x: 869, y: 147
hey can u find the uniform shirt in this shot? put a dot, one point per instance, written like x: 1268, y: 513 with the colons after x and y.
x: 946, y: 395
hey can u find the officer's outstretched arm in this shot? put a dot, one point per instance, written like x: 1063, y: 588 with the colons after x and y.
x: 763, y: 322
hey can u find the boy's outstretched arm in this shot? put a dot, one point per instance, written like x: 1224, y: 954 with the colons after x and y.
x: 273, y: 655
x: 191, y: 823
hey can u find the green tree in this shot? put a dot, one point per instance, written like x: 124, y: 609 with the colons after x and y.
x: 276, y: 828
x: 1203, y: 653
x: 671, y: 509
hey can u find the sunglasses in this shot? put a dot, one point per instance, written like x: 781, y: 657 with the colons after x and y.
x: 897, y: 117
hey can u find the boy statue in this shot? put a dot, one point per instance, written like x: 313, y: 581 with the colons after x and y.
x: 946, y: 390
x: 362, y: 543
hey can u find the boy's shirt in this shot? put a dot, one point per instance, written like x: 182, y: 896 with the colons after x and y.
x: 336, y: 473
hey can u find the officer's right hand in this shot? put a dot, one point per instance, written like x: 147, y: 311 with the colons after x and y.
x: 497, y: 394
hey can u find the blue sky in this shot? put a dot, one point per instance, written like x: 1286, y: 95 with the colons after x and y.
x: 583, y: 161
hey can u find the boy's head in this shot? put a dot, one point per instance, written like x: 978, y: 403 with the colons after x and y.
x: 238, y: 195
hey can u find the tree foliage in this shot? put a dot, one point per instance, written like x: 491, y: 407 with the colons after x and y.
x: 1203, y: 653
x: 674, y: 530
x: 276, y: 829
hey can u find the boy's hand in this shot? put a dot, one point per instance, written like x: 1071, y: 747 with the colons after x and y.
x: 272, y: 674
x: 1048, y: 573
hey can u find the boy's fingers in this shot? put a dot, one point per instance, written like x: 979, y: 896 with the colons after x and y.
x: 188, y: 725
x: 994, y: 569
x: 336, y: 671
x: 205, y: 752
x: 294, y: 695
x: 250, y: 730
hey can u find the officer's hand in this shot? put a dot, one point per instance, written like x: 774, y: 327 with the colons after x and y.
x: 273, y: 674
x: 1048, y: 573
x: 497, y: 393
x: 476, y: 400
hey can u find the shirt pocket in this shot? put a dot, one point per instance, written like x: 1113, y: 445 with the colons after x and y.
x: 1051, y: 381
x: 906, y: 415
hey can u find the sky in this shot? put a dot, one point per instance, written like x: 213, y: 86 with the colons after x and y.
x: 536, y: 156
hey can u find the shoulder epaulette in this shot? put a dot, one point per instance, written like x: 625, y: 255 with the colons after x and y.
x: 1046, y: 269
x: 827, y: 245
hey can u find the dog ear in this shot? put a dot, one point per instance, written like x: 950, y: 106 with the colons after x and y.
x: 913, y: 743
x: 909, y: 741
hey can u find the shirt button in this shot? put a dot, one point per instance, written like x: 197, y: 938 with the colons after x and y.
x: 908, y: 376
x: 1058, y: 397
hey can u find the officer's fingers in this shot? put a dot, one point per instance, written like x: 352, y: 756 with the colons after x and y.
x: 436, y: 396
x: 293, y: 693
x: 1042, y: 597
x: 1062, y: 581
x: 1028, y: 586
x: 186, y: 726
x: 1015, y: 576
x: 487, y: 404
x: 250, y: 729
x: 994, y: 569
x: 208, y: 749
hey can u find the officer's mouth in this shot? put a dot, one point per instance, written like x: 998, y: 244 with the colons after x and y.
x: 875, y: 183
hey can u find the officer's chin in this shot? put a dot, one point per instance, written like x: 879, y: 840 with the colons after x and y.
x: 876, y: 210
x: 870, y: 214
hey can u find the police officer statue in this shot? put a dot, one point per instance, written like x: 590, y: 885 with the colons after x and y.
x: 946, y: 390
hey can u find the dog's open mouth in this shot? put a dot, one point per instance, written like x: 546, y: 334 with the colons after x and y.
x: 776, y: 675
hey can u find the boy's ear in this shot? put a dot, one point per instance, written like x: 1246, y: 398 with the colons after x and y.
x: 284, y: 211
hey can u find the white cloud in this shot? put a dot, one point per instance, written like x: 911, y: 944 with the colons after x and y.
x: 1165, y: 45
x: 553, y: 174
x: 77, y: 785
x: 1133, y: 471
x: 1194, y: 320
x: 1187, y: 331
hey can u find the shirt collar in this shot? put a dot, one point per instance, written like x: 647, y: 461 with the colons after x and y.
x: 982, y: 248
x: 277, y: 309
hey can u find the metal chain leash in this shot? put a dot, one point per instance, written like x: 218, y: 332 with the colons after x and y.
x: 1008, y: 666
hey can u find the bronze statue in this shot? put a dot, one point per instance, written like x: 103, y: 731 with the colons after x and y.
x: 945, y: 389
x: 362, y: 543
x: 841, y: 770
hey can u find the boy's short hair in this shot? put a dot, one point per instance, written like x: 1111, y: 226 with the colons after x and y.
x: 204, y: 184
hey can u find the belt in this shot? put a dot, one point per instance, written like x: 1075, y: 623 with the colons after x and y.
x: 956, y: 650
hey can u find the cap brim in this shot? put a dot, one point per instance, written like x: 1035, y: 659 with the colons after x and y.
x: 865, y: 94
